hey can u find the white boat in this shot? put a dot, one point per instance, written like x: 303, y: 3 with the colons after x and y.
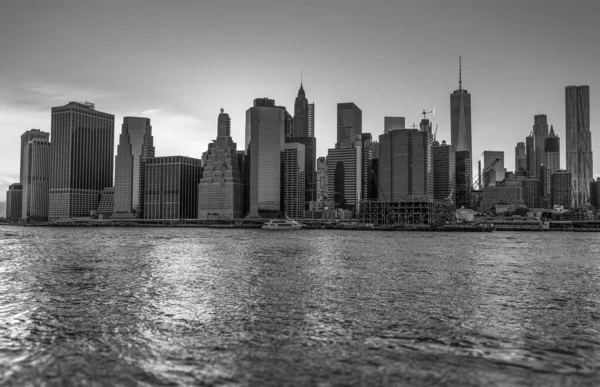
x: 282, y: 224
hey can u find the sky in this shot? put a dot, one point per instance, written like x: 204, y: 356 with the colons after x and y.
x: 179, y: 61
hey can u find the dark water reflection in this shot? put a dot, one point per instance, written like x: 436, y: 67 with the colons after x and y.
x: 173, y: 306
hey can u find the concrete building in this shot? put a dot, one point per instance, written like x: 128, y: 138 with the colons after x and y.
x: 349, y: 124
x: 530, y: 154
x: 26, y: 137
x: 311, y: 119
x: 562, y: 189
x: 444, y: 172
x: 106, y: 206
x: 545, y: 187
x: 301, y: 116
x: 171, y: 187
x: 496, y: 175
x: 405, y: 164
x: 540, y: 133
x: 552, y: 151
x: 520, y: 157
x: 579, y: 142
x: 14, y: 201
x: 265, y: 138
x: 595, y: 193
x: 460, y: 118
x: 501, y: 193
x: 36, y: 179
x: 136, y: 145
x: 294, y: 180
x: 530, y: 192
x: 339, y: 180
x: 351, y: 161
x: 464, y: 180
x: 82, y: 158
x: 367, y: 166
x: 393, y: 123
x: 221, y: 189
x: 322, y: 183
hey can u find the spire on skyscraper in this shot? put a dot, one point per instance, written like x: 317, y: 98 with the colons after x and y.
x: 460, y: 73
x: 552, y: 131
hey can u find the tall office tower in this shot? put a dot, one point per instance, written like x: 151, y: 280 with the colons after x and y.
x: 135, y: 147
x: 562, y: 189
x: 444, y: 172
x: 221, y: 189
x: 265, y: 132
x: 311, y: 119
x: 339, y: 196
x: 25, y: 138
x: 82, y: 157
x: 464, y: 181
x: 460, y: 116
x: 520, y: 157
x: 301, y: 116
x: 530, y: 191
x: 545, y: 186
x: 106, y: 207
x: 171, y: 187
x: 36, y: 179
x: 293, y: 180
x: 393, y: 123
x: 552, y: 151
x: 349, y: 124
x: 595, y: 193
x: 14, y: 201
x: 288, y: 122
x: 405, y: 164
x: 495, y: 175
x: 351, y: 158
x: 579, y: 141
x: 540, y: 133
x: 322, y: 182
x: 367, y: 165
x: 530, y: 154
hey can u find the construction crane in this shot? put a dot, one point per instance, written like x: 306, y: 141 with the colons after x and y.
x: 425, y: 113
x: 484, y: 173
x: 449, y: 198
x: 435, y: 134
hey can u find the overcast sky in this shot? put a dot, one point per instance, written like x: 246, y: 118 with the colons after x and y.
x: 178, y: 62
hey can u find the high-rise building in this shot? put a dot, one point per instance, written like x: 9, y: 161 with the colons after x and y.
x: 367, y: 165
x: 552, y: 151
x: 25, y: 138
x: 301, y: 114
x: 540, y: 133
x: 221, y: 189
x: 82, y: 159
x: 501, y: 194
x: 405, y: 164
x: 171, y: 187
x: 322, y: 198
x: 311, y: 119
x: 351, y: 159
x: 293, y: 180
x: 36, y: 179
x: 464, y: 181
x: 349, y: 124
x: 561, y: 189
x: 496, y: 174
x: 444, y: 172
x: 520, y: 157
x: 265, y: 138
x: 460, y: 117
x: 135, y: 147
x: 530, y: 154
x: 530, y: 192
x: 339, y: 196
x: 595, y: 193
x: 545, y: 187
x: 14, y: 201
x: 393, y: 123
x: 579, y: 141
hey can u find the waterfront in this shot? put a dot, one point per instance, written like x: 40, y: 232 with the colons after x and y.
x: 188, y: 306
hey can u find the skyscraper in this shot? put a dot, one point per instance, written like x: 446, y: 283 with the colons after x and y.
x: 464, y: 182
x: 351, y: 161
x: 530, y: 154
x: 25, y: 138
x: 444, y: 171
x: 14, y: 201
x: 562, y: 189
x: 540, y: 133
x: 520, y: 157
x: 82, y: 155
x: 135, y: 147
x: 171, y: 187
x: 36, y: 179
x: 293, y: 180
x: 301, y: 114
x: 349, y: 124
x: 265, y: 132
x: 579, y: 141
x: 221, y: 189
x: 393, y: 123
x: 311, y: 119
x: 322, y: 182
x: 405, y: 164
x: 552, y: 151
x: 460, y: 117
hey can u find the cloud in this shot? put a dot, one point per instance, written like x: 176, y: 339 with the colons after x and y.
x: 150, y: 112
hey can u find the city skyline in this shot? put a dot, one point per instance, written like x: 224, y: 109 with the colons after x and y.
x: 180, y: 93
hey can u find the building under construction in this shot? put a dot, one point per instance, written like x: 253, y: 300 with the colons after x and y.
x: 414, y: 210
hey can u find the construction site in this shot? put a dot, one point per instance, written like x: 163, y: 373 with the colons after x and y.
x: 412, y: 211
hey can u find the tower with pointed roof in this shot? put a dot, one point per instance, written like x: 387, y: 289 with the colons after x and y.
x: 460, y: 139
x: 552, y: 151
x: 540, y: 132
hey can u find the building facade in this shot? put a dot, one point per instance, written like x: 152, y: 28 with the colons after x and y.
x: 579, y: 141
x: 221, y: 189
x: 552, y: 149
x: 562, y: 189
x: 171, y: 187
x: 464, y: 179
x: 520, y: 157
x: 393, y: 123
x: 540, y: 133
x: 595, y: 193
x: 322, y: 198
x: 14, y: 201
x: 530, y: 191
x: 530, y: 154
x: 349, y: 124
x: 444, y: 172
x: 311, y: 119
x: 136, y: 145
x: 26, y: 137
x: 460, y: 118
x: 82, y: 157
x: 36, y: 179
x: 351, y: 164
x: 293, y: 179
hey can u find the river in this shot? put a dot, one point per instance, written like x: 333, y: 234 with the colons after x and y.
x: 195, y: 306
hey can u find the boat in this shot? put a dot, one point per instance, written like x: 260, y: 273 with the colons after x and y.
x: 282, y: 224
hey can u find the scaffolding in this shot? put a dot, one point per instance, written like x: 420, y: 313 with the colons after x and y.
x: 412, y: 211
